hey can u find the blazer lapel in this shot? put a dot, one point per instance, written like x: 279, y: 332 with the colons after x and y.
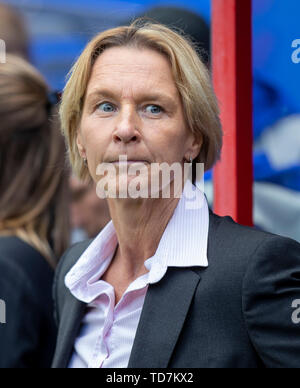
x: 165, y: 309
x: 69, y: 326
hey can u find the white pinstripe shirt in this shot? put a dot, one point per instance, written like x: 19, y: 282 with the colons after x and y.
x: 107, y: 332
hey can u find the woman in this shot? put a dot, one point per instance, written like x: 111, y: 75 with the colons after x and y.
x: 165, y: 284
x: 33, y: 217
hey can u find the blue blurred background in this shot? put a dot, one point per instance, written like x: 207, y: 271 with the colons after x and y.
x: 61, y: 28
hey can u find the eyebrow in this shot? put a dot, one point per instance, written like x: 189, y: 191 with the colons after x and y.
x: 161, y: 97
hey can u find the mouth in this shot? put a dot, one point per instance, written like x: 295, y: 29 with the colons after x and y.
x: 129, y: 161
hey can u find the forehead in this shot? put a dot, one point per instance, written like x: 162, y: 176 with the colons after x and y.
x: 129, y: 69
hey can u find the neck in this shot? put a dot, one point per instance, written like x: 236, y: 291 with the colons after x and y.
x: 139, y: 225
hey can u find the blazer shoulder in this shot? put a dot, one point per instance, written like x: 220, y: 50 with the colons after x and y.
x: 237, y: 238
x: 17, y: 260
x: 19, y: 253
x: 271, y: 289
x: 231, y: 245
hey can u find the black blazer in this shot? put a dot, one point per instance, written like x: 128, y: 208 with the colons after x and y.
x: 27, y: 340
x: 237, y: 313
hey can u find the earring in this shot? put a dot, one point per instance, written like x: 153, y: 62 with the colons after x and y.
x: 85, y: 161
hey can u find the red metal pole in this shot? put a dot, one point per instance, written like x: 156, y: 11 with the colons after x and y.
x: 232, y: 73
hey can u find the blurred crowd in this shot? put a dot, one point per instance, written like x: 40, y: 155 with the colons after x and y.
x: 46, y: 207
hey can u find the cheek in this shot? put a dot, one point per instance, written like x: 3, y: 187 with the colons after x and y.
x: 182, y: 136
x: 94, y: 144
x: 171, y: 141
x: 94, y: 139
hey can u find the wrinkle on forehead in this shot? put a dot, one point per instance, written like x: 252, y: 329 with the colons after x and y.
x: 149, y: 68
x: 104, y: 68
x: 133, y: 57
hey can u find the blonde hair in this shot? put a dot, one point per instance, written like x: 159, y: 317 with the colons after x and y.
x: 190, y: 75
x: 33, y: 178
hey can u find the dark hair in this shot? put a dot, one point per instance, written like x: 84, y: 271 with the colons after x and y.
x: 190, y: 23
x: 13, y: 31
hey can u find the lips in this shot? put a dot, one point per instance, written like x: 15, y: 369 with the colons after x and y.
x: 128, y: 161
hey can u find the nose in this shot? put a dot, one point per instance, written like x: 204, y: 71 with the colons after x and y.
x: 126, y: 130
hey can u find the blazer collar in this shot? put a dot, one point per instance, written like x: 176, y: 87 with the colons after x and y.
x: 69, y: 325
x: 165, y: 309
x: 164, y: 312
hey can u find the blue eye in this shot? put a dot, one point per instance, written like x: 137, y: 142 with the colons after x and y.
x: 154, y: 109
x: 106, y: 107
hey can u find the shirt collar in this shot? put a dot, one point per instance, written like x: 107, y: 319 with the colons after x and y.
x: 183, y: 244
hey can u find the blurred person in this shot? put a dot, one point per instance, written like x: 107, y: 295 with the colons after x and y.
x: 34, y: 215
x: 192, y: 24
x: 13, y: 31
x: 89, y: 213
x: 277, y: 169
x: 164, y: 285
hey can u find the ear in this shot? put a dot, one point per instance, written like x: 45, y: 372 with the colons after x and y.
x: 194, y: 146
x: 80, y: 146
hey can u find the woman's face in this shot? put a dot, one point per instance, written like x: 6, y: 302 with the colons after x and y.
x: 132, y: 108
